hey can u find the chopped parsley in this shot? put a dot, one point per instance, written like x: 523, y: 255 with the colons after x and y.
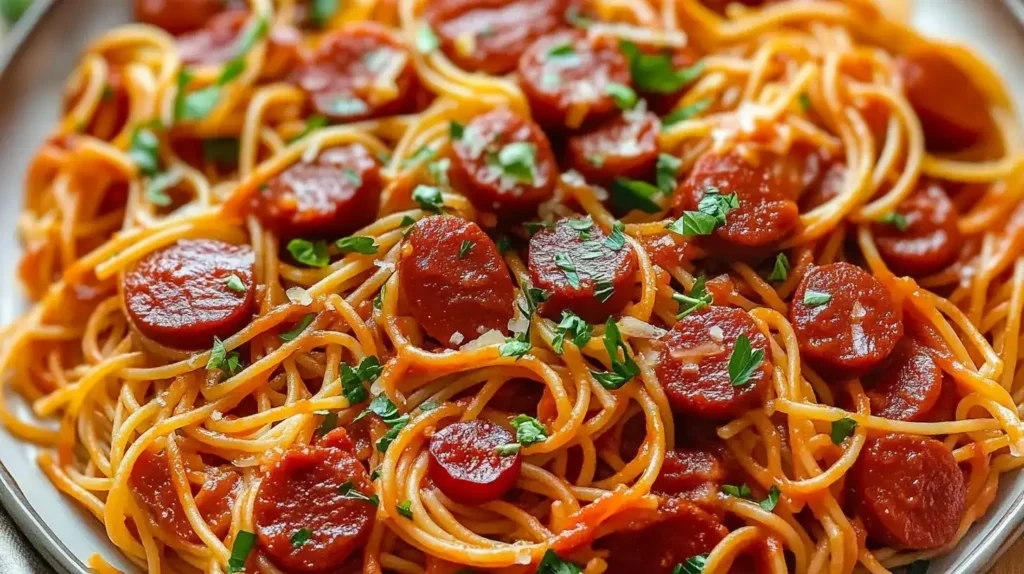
x: 623, y: 95
x: 769, y: 503
x: 564, y: 262
x: 327, y: 425
x: 552, y: 564
x: 322, y: 11
x: 510, y: 449
x: 841, y: 429
x: 311, y: 253
x: 422, y: 155
x: 529, y: 430
x: 623, y: 369
x: 382, y: 406
x: 628, y: 194
x: 244, y: 541
x: 655, y: 73
x: 405, y: 509
x: 711, y: 214
x: 805, y: 101
x: 743, y: 362
x: 439, y: 170
x: 617, y: 238
x: 515, y: 347
x: 222, y: 151
x: 455, y: 130
x: 352, y: 379
x: 145, y: 151
x: 517, y: 160
x: 357, y: 244
x: 740, y: 491
x: 693, y: 565
x: 571, y: 325
x: 313, y: 123
x: 156, y: 191
x: 895, y: 219
x: 298, y: 329
x: 667, y: 168
x: 426, y: 40
x: 234, y: 283
x: 814, y: 298
x: 686, y: 112
x: 465, y: 248
x: 780, y: 272
x: 429, y: 198
x: 603, y: 290
x: 698, y: 298
x: 228, y: 363
x: 348, y: 490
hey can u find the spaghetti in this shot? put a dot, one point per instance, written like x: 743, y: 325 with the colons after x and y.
x: 532, y: 286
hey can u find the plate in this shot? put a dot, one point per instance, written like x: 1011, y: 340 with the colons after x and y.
x: 31, y: 89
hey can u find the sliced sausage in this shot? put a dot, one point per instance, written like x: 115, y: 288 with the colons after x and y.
x: 825, y: 187
x: 359, y: 71
x: 931, y: 240
x: 151, y: 483
x: 954, y: 113
x: 767, y: 211
x: 625, y: 147
x: 332, y: 196
x: 566, y: 76
x: 577, y: 267
x: 181, y: 16
x: 844, y: 319
x: 504, y: 164
x: 467, y: 465
x: 216, y: 42
x: 680, y: 531
x: 456, y: 295
x: 908, y: 385
x: 693, y: 364
x: 490, y: 35
x: 909, y: 492
x: 694, y: 475
x: 310, y: 488
x: 179, y: 295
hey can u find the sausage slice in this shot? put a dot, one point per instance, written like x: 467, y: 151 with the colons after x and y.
x: 566, y: 77
x: 467, y: 463
x: 456, y: 293
x: 908, y: 385
x: 360, y: 71
x: 909, y: 492
x: 332, y: 196
x: 580, y: 269
x: 624, y: 147
x: 844, y: 319
x: 181, y: 296
x: 927, y: 238
x: 489, y: 35
x: 693, y: 365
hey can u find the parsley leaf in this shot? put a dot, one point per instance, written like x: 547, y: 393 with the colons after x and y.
x: 322, y: 11
x: 622, y: 369
x: 348, y: 490
x: 156, y: 191
x: 617, y: 238
x: 405, y: 509
x: 564, y: 262
x: 623, y: 95
x: 628, y: 194
x: 667, y: 168
x: 698, y: 298
x: 517, y: 160
x: 895, y: 219
x: 327, y: 425
x: 311, y: 253
x: 552, y: 564
x: 426, y: 40
x: 603, y: 291
x: 814, y: 298
x: 352, y: 379
x: 145, y: 151
x: 693, y: 565
x: 711, y: 213
x: 515, y: 347
x: 313, y: 123
x: 656, y: 73
x: 529, y: 430
x: 578, y: 331
x: 357, y: 244
x: 686, y: 112
x: 768, y: 504
x: 465, y: 248
x: 455, y: 130
x: 841, y: 429
x: 509, y: 449
x: 298, y: 329
x: 740, y: 491
x: 429, y: 198
x: 234, y: 283
x: 805, y: 101
x: 780, y: 272
x: 244, y: 541
x: 743, y: 361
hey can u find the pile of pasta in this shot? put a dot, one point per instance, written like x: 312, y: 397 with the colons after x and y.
x: 539, y: 286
